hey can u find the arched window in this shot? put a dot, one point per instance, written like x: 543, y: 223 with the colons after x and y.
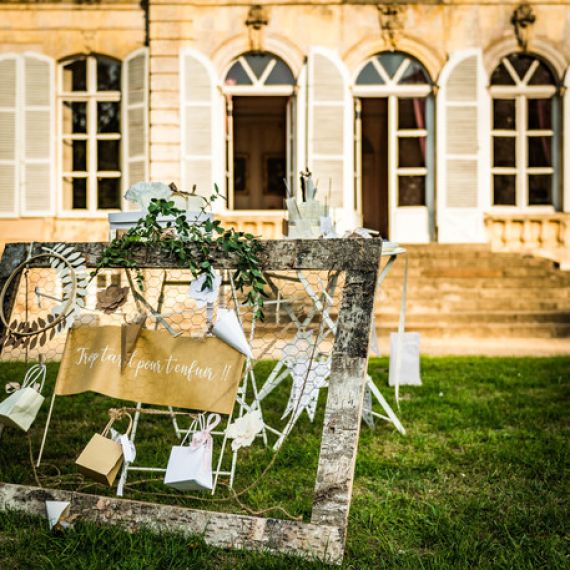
x: 394, y: 114
x: 525, y: 132
x: 259, y: 69
x: 260, y: 152
x: 90, y: 127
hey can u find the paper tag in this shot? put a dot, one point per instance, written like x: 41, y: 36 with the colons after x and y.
x: 129, y: 450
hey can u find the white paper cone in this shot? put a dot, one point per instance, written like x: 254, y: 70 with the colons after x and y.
x: 228, y: 329
x: 56, y: 510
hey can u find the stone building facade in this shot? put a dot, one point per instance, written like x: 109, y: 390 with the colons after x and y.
x: 430, y: 122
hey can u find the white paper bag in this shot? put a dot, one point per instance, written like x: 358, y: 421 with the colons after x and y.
x: 409, y: 374
x: 190, y: 466
x: 21, y: 408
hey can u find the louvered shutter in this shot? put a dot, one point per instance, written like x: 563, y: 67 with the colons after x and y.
x: 201, y: 131
x: 330, y: 129
x: 37, y: 182
x: 135, y: 118
x: 463, y: 137
x: 566, y: 143
x: 8, y: 140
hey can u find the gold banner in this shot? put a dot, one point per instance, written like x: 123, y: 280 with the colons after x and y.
x: 192, y: 373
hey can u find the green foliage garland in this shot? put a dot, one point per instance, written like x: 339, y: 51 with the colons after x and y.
x: 193, y: 245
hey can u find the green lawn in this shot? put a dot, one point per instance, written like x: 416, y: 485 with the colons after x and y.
x: 481, y: 480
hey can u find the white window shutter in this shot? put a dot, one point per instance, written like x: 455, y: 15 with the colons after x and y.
x: 135, y: 118
x: 463, y: 139
x: 566, y: 143
x: 37, y: 183
x: 8, y: 136
x: 330, y: 153
x: 201, y: 113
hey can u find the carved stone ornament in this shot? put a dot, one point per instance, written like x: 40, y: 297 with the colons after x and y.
x: 523, y: 19
x: 391, y: 23
x: 256, y: 21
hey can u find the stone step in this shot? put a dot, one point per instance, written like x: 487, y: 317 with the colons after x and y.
x: 453, y: 283
x: 486, y: 261
x: 478, y: 330
x: 459, y: 306
x: 475, y: 271
x: 390, y: 319
x: 452, y: 292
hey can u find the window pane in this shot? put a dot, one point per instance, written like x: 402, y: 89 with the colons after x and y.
x: 108, y: 74
x: 108, y: 117
x: 391, y: 62
x: 74, y: 156
x: 108, y: 155
x: 542, y: 76
x: 412, y: 113
x: 74, y: 117
x: 280, y: 75
x: 539, y: 151
x: 237, y: 75
x: 504, y: 187
x: 411, y: 151
x: 539, y: 113
x: 240, y: 173
x: 539, y: 189
x: 504, y: 116
x: 504, y: 151
x: 501, y: 76
x: 79, y: 156
x: 75, y: 75
x: 414, y: 74
x: 369, y: 76
x: 108, y: 193
x: 412, y: 191
x: 258, y: 62
x: 521, y: 62
x: 75, y: 193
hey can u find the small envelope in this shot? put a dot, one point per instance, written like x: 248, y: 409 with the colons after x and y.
x: 57, y: 512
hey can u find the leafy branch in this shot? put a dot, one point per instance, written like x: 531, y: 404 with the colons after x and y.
x: 193, y: 245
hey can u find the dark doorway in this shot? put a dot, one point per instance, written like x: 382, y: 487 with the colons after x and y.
x: 375, y: 205
x: 260, y: 157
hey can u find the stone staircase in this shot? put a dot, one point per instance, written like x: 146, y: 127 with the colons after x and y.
x: 468, y: 291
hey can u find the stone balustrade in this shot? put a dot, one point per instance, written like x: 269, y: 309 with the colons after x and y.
x: 265, y: 224
x: 543, y: 234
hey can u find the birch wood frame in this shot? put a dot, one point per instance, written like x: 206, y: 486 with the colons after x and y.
x: 325, y: 535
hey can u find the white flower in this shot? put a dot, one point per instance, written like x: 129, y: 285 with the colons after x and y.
x: 142, y: 193
x: 209, y: 294
x: 244, y: 429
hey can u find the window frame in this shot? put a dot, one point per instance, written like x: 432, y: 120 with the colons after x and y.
x: 521, y: 93
x: 258, y: 88
x: 91, y: 97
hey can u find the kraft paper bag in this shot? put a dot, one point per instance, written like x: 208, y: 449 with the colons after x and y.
x: 190, y: 466
x: 102, y: 457
x: 161, y: 370
x: 409, y: 374
x: 20, y: 409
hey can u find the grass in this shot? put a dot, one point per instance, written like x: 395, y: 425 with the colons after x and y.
x: 481, y: 480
